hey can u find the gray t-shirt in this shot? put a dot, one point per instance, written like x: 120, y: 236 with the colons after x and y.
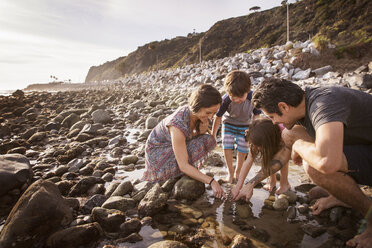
x: 237, y: 114
x: 330, y: 104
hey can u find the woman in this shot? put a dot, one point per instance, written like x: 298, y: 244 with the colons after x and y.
x: 179, y: 141
x: 265, y: 141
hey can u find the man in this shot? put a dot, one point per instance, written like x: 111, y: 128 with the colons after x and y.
x: 339, y: 120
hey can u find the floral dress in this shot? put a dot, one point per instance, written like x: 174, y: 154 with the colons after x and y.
x: 160, y: 160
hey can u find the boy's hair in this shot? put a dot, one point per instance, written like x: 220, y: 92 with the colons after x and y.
x: 237, y: 83
x: 274, y: 90
x: 263, y: 133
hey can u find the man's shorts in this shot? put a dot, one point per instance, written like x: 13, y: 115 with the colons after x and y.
x: 231, y: 134
x: 359, y: 160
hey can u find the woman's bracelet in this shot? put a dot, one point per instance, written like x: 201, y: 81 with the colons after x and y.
x: 211, y: 181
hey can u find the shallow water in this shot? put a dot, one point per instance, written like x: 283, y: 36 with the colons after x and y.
x: 226, y: 213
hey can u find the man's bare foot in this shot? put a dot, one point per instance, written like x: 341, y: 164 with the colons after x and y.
x: 317, y: 192
x: 363, y: 240
x: 283, y: 188
x: 325, y: 203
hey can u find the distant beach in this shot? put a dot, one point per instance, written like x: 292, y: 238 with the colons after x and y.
x: 6, y: 92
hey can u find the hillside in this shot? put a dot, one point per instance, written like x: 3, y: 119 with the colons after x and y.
x: 345, y: 23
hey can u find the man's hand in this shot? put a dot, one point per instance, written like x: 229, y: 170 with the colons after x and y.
x: 296, y: 158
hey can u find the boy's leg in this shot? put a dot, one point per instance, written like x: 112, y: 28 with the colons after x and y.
x: 228, y: 154
x: 242, y: 149
x: 228, y: 147
x: 239, y: 163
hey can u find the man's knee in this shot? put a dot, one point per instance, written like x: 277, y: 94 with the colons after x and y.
x: 316, y: 176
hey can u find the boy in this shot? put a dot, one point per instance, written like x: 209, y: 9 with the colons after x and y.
x: 235, y: 113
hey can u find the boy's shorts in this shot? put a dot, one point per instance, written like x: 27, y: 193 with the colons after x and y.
x: 359, y: 160
x: 231, y: 134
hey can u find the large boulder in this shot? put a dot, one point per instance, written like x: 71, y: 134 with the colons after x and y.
x: 101, y: 116
x: 154, y: 201
x: 39, y: 212
x: 15, y: 171
x: 76, y: 236
x: 109, y: 219
x: 188, y: 188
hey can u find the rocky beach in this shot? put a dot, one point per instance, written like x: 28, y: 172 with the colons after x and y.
x: 71, y: 163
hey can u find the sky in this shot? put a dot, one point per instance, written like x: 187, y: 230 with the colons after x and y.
x: 64, y: 38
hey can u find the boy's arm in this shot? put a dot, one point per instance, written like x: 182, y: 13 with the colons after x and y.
x: 216, y: 125
x: 326, y: 154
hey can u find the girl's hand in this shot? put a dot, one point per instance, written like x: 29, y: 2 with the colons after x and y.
x: 246, y: 193
x: 217, y: 190
x: 235, y: 192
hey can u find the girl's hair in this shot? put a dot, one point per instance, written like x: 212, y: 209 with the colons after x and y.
x: 264, y: 140
x: 205, y: 96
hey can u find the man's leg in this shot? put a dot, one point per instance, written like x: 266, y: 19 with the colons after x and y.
x: 339, y: 185
x: 344, y: 191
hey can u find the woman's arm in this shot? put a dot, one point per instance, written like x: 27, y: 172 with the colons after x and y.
x: 180, y: 152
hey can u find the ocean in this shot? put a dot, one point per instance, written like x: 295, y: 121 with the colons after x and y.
x: 6, y: 92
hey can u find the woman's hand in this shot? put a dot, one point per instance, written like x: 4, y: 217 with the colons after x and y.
x: 217, y: 189
x: 203, y: 127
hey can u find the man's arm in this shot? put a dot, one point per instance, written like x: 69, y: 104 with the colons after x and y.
x: 326, y: 154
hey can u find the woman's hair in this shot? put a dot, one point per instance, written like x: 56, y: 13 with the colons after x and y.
x: 264, y: 134
x: 205, y: 96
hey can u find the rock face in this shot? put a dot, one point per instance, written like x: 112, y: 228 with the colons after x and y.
x: 38, y: 213
x: 229, y: 37
x: 15, y: 171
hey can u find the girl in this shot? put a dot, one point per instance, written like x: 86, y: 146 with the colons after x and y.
x: 265, y: 142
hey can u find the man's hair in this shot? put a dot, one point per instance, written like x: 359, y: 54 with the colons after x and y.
x: 274, y: 90
x: 237, y: 83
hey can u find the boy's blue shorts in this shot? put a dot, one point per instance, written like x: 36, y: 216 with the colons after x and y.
x: 234, y: 134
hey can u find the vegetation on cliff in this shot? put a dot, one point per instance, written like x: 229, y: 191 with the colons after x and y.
x: 345, y: 23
